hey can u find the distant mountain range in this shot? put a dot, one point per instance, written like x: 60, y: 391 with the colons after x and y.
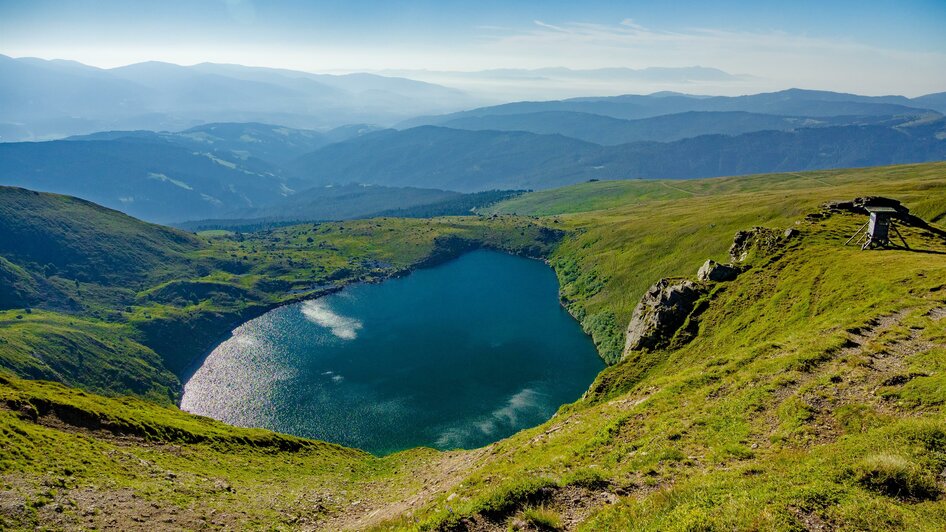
x: 791, y: 102
x: 452, y: 159
x: 609, y: 131
x: 228, y: 172
x: 468, y: 161
x: 511, y: 84
x: 675, y: 74
x: 217, y: 171
x: 42, y: 99
x: 275, y: 145
x: 148, y: 178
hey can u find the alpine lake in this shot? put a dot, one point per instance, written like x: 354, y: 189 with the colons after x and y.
x: 454, y: 356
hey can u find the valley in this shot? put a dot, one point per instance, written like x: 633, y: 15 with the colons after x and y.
x: 809, y: 394
x: 533, y: 266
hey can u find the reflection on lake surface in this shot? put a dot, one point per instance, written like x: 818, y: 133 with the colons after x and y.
x: 459, y: 355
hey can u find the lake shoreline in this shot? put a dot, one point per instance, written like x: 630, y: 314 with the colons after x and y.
x: 505, y: 319
x: 444, y: 251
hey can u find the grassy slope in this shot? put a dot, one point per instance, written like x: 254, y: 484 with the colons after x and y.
x: 102, y: 301
x: 599, y: 195
x: 814, y: 395
x: 649, y: 231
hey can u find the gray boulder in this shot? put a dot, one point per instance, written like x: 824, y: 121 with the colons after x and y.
x: 660, y: 313
x: 714, y: 271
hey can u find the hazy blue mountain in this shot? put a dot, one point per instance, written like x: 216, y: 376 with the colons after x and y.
x: 792, y: 102
x: 275, y: 145
x: 146, y: 177
x: 936, y: 101
x: 52, y: 99
x: 344, y: 202
x: 610, y: 131
x: 513, y: 84
x: 57, y: 98
x: 467, y: 161
x: 652, y: 74
x: 216, y: 171
x: 776, y: 151
x: 461, y: 205
x: 339, y: 202
x: 349, y: 131
x: 452, y: 159
x: 358, y: 83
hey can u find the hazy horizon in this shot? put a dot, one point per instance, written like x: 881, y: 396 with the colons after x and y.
x: 877, y: 49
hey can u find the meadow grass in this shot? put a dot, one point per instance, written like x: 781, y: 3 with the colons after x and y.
x: 812, y: 397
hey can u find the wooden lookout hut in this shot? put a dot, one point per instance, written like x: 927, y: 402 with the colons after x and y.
x: 878, y: 228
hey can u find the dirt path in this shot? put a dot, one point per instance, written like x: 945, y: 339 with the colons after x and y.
x: 437, y: 479
x: 871, y: 361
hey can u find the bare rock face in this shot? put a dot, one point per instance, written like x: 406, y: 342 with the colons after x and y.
x: 716, y: 272
x: 660, y: 313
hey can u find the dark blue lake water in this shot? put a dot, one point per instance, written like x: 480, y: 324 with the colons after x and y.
x: 459, y: 355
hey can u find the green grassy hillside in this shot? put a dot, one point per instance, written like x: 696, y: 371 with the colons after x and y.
x: 812, y: 396
x: 61, y: 236
x: 632, y: 233
x: 99, y: 300
x: 602, y: 195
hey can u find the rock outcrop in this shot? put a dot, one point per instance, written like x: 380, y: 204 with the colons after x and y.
x: 859, y: 205
x: 668, y: 312
x: 660, y: 313
x: 757, y: 239
x: 716, y: 272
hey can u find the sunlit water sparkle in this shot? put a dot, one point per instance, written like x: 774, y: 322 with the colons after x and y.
x: 459, y: 355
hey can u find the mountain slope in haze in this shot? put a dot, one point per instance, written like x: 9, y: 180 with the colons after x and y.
x: 275, y: 145
x: 469, y: 161
x: 227, y: 171
x: 610, y: 131
x: 936, y: 101
x: 451, y: 159
x: 513, y: 84
x: 53, y: 99
x: 215, y: 171
x: 791, y: 102
x: 145, y: 177
x: 777, y: 151
x: 325, y: 203
x: 347, y: 202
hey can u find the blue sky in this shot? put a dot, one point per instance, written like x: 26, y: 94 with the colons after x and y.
x: 871, y: 47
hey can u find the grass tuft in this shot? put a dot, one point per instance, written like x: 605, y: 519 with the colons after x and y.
x: 541, y: 518
x: 895, y: 476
